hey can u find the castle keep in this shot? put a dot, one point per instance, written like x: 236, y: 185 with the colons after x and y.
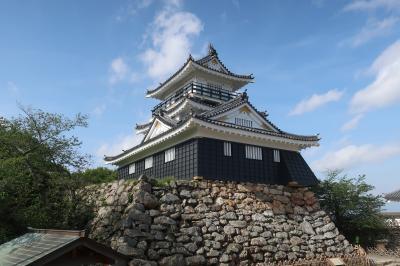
x: 204, y: 127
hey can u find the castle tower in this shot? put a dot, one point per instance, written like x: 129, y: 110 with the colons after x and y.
x: 204, y: 127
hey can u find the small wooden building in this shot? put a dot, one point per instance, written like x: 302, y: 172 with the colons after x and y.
x: 204, y: 127
x: 58, y: 248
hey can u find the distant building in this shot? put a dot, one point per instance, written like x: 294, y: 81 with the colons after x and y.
x: 393, y: 196
x: 58, y: 248
x: 204, y: 127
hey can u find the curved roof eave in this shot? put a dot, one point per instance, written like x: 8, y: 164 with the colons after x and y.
x: 186, y: 66
x: 306, y: 141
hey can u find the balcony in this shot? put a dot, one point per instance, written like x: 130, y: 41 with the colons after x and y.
x: 199, y: 90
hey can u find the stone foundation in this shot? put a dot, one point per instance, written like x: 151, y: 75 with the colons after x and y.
x: 211, y: 222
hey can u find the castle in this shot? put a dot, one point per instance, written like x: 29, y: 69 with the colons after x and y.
x: 203, y: 127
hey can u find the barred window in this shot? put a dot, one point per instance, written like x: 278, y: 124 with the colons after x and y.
x: 253, y: 152
x: 148, y: 162
x: 277, y: 156
x: 227, y: 149
x: 132, y: 169
x: 243, y: 122
x: 169, y: 155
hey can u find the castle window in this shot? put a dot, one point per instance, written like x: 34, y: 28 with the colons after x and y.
x: 253, y: 152
x: 277, y: 156
x: 132, y: 168
x: 227, y: 149
x: 243, y: 122
x: 169, y: 155
x: 148, y: 162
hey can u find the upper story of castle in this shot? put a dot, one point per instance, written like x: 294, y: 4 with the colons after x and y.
x: 198, y: 85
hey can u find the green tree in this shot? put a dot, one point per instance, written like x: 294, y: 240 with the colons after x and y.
x: 352, y: 206
x: 96, y: 175
x: 37, y: 155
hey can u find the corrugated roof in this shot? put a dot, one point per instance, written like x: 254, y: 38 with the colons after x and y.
x: 30, y: 247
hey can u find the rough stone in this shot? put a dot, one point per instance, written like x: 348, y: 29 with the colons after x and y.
x: 169, y: 198
x: 196, y: 260
x: 174, y: 260
x: 307, y: 228
x: 212, y: 222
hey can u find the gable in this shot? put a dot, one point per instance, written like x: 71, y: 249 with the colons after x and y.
x: 156, y: 129
x: 245, y: 115
x: 216, y: 65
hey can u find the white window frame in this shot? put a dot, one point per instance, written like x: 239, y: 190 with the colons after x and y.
x: 227, y: 149
x: 132, y: 168
x: 243, y: 122
x: 148, y: 162
x: 169, y: 155
x: 253, y: 152
x: 277, y: 156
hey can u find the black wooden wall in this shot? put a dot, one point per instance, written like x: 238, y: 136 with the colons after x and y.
x: 214, y: 165
x: 205, y: 157
x: 183, y: 167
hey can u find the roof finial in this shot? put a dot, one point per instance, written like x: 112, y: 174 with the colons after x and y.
x: 211, y: 50
x: 244, y: 95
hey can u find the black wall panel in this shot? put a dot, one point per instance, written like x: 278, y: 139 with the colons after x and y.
x: 183, y: 167
x: 205, y: 157
x: 214, y: 165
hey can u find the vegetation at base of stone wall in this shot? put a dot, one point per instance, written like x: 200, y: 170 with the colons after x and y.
x: 353, y: 208
x: 162, y: 182
x: 41, y: 168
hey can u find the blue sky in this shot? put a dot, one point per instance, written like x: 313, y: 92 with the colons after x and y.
x: 328, y: 67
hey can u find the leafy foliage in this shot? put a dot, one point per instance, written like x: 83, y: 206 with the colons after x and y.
x: 354, y: 209
x: 37, y: 155
x: 96, y: 175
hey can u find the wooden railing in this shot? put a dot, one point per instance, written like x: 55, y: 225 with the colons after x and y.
x: 197, y: 89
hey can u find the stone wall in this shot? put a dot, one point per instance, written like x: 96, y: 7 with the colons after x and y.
x: 211, y: 222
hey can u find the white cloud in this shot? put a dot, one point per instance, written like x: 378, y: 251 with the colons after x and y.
x: 132, y: 8
x: 369, y: 5
x: 352, y: 123
x: 116, y: 147
x: 315, y: 101
x: 385, y: 89
x: 171, y: 34
x: 353, y: 155
x: 373, y: 29
x: 120, y: 71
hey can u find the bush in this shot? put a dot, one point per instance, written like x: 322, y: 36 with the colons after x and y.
x: 353, y: 208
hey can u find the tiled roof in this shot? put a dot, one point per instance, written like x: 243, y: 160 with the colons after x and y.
x: 201, y: 62
x: 262, y: 131
x: 241, y: 99
x: 225, y: 124
x: 212, y: 54
x: 193, y: 99
x: 393, y: 196
x: 165, y: 119
x: 142, y: 126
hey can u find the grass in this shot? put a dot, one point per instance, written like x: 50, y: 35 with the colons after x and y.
x: 162, y: 182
